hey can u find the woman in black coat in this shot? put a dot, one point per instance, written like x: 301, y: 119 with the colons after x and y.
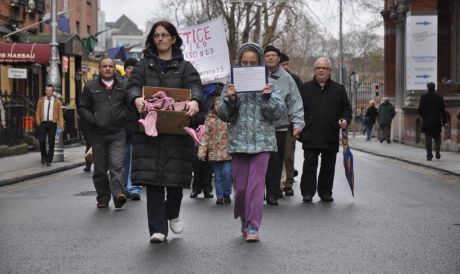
x: 164, y: 163
x: 369, y: 119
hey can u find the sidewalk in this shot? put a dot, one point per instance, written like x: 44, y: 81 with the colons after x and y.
x: 23, y: 167
x: 449, y: 162
x: 19, y: 168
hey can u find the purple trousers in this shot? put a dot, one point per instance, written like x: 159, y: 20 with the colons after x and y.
x: 249, y: 182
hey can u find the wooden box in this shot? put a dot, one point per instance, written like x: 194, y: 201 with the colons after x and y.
x: 169, y: 121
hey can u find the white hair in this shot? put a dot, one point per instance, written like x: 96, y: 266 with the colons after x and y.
x: 323, y: 59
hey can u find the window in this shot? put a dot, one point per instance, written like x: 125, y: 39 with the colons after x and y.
x: 78, y: 26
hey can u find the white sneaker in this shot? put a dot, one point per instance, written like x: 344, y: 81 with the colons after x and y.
x: 157, y: 238
x: 176, y: 226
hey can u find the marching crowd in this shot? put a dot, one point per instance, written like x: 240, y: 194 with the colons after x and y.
x: 247, y: 145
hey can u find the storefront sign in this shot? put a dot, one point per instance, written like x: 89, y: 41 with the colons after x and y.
x: 17, y: 73
x: 205, y: 46
x: 421, y: 51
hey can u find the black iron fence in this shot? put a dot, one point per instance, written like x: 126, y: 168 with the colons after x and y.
x: 19, y: 114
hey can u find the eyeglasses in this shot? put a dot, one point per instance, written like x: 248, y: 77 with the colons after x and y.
x: 323, y: 68
x: 162, y: 35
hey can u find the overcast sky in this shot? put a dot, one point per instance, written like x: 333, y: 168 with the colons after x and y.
x: 141, y: 10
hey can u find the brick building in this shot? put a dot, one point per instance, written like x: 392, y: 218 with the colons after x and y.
x: 28, y: 51
x: 397, y: 16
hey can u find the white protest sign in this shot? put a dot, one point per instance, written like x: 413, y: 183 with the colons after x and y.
x: 205, y: 46
x: 421, y: 51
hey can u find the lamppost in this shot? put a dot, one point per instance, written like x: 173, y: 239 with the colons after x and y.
x: 54, y: 77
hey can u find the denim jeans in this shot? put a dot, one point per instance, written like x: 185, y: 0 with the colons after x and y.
x: 369, y: 132
x: 223, y: 178
x: 127, y: 171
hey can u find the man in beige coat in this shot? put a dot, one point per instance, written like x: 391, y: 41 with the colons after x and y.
x: 49, y: 117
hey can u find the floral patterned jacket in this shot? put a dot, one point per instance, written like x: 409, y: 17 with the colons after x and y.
x: 214, y: 142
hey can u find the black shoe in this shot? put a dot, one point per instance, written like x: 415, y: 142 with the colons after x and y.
x: 119, y: 200
x: 326, y: 198
x: 227, y: 200
x: 208, y: 194
x: 429, y: 158
x: 288, y: 191
x: 438, y: 155
x: 48, y: 164
x: 135, y: 197
x: 388, y: 142
x: 307, y: 198
x: 381, y: 141
x: 271, y: 200
x: 102, y: 204
x: 43, y: 161
x: 295, y: 173
x: 194, y: 194
x: 87, y: 169
x: 220, y: 201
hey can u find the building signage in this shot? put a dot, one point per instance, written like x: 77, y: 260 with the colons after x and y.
x: 17, y: 73
x: 421, y: 51
x: 205, y: 46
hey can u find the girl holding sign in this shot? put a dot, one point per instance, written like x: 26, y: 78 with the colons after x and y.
x: 251, y: 137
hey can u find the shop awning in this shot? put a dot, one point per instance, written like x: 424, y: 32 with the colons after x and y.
x: 24, y: 53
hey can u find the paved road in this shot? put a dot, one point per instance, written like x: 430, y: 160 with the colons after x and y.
x: 404, y: 219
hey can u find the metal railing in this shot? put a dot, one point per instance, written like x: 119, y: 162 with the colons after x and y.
x: 19, y: 114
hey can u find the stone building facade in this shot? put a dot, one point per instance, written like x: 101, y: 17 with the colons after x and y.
x: 407, y: 123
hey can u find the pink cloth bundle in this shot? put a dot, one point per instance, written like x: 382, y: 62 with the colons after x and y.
x: 159, y: 101
x: 150, y: 124
x: 196, y: 134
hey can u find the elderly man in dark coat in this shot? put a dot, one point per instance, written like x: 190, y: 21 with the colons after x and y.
x: 433, y: 112
x: 327, y: 109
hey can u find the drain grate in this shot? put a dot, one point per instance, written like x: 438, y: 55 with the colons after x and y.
x: 87, y: 193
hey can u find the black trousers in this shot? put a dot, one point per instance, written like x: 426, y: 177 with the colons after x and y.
x: 429, y: 144
x: 87, y: 136
x: 160, y: 210
x: 47, y: 129
x: 275, y: 166
x: 202, y: 175
x: 325, y: 180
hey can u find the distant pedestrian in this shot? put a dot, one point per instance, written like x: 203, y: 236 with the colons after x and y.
x: 251, y: 136
x: 289, y: 172
x: 134, y: 192
x: 293, y: 118
x: 213, y: 148
x: 2, y: 114
x: 433, y: 112
x: 49, y: 118
x: 369, y: 119
x: 327, y: 110
x: 163, y: 164
x: 103, y: 106
x: 386, y: 113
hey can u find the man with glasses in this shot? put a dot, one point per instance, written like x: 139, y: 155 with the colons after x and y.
x: 103, y: 107
x: 327, y: 109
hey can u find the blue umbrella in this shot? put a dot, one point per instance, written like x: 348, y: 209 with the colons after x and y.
x: 348, y: 162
